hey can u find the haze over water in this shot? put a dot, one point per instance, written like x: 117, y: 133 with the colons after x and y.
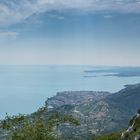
x: 25, y: 88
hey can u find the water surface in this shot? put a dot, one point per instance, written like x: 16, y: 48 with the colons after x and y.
x: 25, y: 88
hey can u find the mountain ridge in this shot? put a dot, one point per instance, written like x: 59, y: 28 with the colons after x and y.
x: 108, y: 114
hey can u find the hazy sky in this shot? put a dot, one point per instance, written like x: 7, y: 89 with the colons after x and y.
x: 91, y: 32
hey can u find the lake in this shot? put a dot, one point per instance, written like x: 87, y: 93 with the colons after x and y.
x: 23, y: 89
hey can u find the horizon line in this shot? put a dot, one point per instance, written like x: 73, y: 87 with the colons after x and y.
x: 69, y: 65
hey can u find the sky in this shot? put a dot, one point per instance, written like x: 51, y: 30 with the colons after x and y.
x: 70, y: 32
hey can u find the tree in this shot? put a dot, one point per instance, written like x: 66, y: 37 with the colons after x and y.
x: 35, y: 128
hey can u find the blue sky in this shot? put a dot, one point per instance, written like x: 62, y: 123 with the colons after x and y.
x: 72, y: 32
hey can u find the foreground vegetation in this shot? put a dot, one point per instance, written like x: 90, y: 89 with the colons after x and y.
x: 35, y: 128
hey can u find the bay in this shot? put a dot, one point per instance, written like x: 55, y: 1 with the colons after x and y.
x: 24, y: 88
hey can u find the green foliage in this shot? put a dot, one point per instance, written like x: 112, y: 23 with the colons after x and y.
x: 35, y: 128
x: 113, y: 136
x: 14, y: 122
x: 34, y: 131
x: 69, y: 118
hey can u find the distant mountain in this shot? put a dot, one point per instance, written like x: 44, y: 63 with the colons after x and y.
x: 75, y: 98
x: 115, y: 71
x: 128, y: 97
x: 99, y: 115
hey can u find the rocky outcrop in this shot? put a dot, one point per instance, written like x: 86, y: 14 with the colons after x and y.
x: 126, y: 135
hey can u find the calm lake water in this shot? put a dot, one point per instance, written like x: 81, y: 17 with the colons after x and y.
x: 23, y: 89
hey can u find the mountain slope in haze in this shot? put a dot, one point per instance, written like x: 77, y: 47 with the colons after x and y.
x: 75, y: 98
x: 128, y: 97
x: 108, y: 114
x: 131, y: 133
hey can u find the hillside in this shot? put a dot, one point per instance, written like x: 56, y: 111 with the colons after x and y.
x: 75, y: 98
x: 99, y: 113
x: 105, y: 115
x: 131, y: 133
x: 128, y: 97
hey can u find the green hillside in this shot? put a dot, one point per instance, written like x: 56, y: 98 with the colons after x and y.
x: 131, y: 133
x: 109, y: 114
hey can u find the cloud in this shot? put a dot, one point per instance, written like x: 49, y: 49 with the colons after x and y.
x: 14, y: 11
x: 8, y: 34
x: 56, y: 16
x: 94, y: 5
